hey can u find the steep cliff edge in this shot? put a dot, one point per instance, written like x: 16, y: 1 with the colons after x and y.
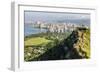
x: 79, y: 43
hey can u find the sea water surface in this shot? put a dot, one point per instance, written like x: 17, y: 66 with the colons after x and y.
x: 29, y: 30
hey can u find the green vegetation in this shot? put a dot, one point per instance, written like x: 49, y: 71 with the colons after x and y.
x: 57, y: 46
x: 36, y: 41
x: 37, y: 44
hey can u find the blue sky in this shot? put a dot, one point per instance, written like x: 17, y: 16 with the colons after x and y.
x: 52, y: 17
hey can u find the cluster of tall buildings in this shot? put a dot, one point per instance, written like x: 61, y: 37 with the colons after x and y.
x: 57, y: 27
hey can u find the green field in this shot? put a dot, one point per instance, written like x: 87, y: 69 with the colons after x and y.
x: 35, y: 41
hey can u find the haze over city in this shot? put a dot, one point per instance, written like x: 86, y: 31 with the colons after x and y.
x: 55, y: 17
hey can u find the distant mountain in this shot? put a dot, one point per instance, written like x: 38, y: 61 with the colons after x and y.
x: 76, y: 21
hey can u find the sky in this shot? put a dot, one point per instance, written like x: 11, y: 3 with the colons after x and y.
x: 52, y: 17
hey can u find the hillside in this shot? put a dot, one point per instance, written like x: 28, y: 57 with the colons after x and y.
x: 75, y: 46
x: 79, y: 43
